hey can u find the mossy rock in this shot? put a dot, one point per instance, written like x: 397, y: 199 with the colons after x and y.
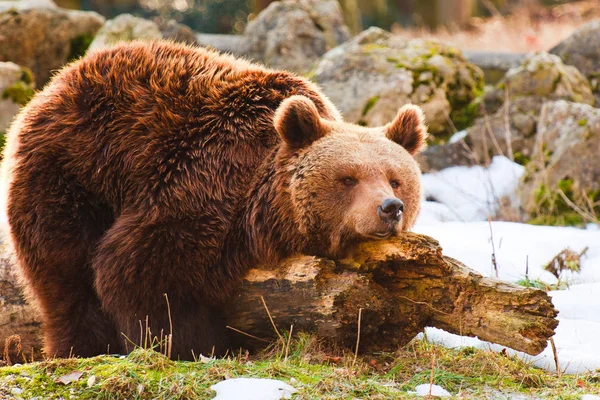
x: 378, y: 65
x: 540, y: 78
x: 561, y: 185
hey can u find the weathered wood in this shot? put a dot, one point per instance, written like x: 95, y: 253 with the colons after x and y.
x: 402, y: 284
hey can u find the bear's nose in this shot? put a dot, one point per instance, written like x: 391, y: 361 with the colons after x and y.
x: 391, y: 210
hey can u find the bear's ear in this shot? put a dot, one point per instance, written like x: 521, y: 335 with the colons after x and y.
x: 298, y: 123
x: 408, y: 128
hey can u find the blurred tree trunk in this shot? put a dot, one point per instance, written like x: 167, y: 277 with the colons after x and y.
x: 352, y: 15
x: 442, y: 12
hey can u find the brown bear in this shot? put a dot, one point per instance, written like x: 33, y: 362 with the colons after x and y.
x: 159, y: 168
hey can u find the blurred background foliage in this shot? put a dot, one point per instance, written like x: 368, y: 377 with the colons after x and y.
x: 231, y: 16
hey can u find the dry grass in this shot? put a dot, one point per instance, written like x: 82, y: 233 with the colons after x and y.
x: 528, y: 28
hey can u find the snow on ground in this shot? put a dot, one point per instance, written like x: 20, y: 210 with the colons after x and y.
x: 468, y: 193
x: 458, y: 220
x: 252, y: 389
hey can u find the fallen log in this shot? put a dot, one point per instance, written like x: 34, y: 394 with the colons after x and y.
x: 400, y: 285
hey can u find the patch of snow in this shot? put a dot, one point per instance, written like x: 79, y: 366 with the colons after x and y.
x: 458, y: 136
x: 464, y: 197
x: 469, y: 193
x: 590, y: 397
x: 424, y: 390
x: 516, y: 245
x: 252, y: 389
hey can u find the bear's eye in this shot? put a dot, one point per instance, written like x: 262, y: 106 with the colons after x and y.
x: 394, y: 184
x: 349, y: 181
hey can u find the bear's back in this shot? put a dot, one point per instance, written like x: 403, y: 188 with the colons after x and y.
x: 142, y: 120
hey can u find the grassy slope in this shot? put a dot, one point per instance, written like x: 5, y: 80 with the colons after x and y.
x: 146, y: 374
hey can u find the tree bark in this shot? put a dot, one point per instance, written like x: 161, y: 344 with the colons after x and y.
x: 402, y: 285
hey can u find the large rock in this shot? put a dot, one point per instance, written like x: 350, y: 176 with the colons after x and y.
x: 291, y: 34
x: 16, y: 88
x: 512, y: 127
x: 581, y: 50
x: 43, y: 37
x: 566, y: 158
x: 372, y: 75
x: 125, y: 27
x: 494, y: 64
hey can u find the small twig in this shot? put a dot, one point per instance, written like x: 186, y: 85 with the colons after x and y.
x: 494, y: 263
x: 141, y: 333
x: 146, y: 334
x: 449, y: 120
x: 432, y: 372
x: 585, y: 215
x: 247, y: 334
x: 272, y: 322
x: 169, y: 344
x: 490, y: 132
x: 287, y: 346
x: 507, y: 133
x: 491, y: 8
x: 558, y: 371
x: 357, y: 337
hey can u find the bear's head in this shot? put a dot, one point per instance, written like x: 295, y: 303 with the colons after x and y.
x: 349, y: 182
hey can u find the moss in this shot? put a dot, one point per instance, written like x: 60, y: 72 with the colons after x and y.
x: 369, y: 105
x: 2, y: 143
x: 19, y: 92
x: 369, y: 47
x: 79, y: 45
x: 582, y: 122
x: 26, y: 75
x: 521, y: 158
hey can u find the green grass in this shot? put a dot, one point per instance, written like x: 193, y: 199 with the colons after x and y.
x: 316, y: 372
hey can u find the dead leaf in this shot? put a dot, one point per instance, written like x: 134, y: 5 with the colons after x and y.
x: 70, y: 377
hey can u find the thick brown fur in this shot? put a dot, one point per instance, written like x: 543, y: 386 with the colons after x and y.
x: 155, y: 168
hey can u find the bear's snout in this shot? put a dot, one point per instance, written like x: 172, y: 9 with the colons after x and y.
x: 390, y: 210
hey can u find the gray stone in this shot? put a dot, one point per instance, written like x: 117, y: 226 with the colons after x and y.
x: 43, y: 38
x: 512, y: 126
x: 291, y: 34
x: 581, y: 50
x: 369, y: 77
x: 16, y: 87
x: 125, y: 27
x: 172, y: 30
x: 234, y: 44
x: 494, y: 64
x: 565, y: 156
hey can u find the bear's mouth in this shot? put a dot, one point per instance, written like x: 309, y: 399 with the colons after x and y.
x: 384, y: 234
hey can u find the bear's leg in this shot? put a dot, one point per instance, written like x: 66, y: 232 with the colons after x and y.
x: 140, y: 260
x: 55, y: 228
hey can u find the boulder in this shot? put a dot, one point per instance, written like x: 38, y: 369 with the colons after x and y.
x: 16, y: 88
x: 234, y: 44
x: 38, y: 35
x: 565, y: 159
x: 123, y: 28
x: 581, y: 50
x: 292, y: 34
x: 510, y: 129
x: 494, y: 64
x: 173, y: 30
x: 375, y: 73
